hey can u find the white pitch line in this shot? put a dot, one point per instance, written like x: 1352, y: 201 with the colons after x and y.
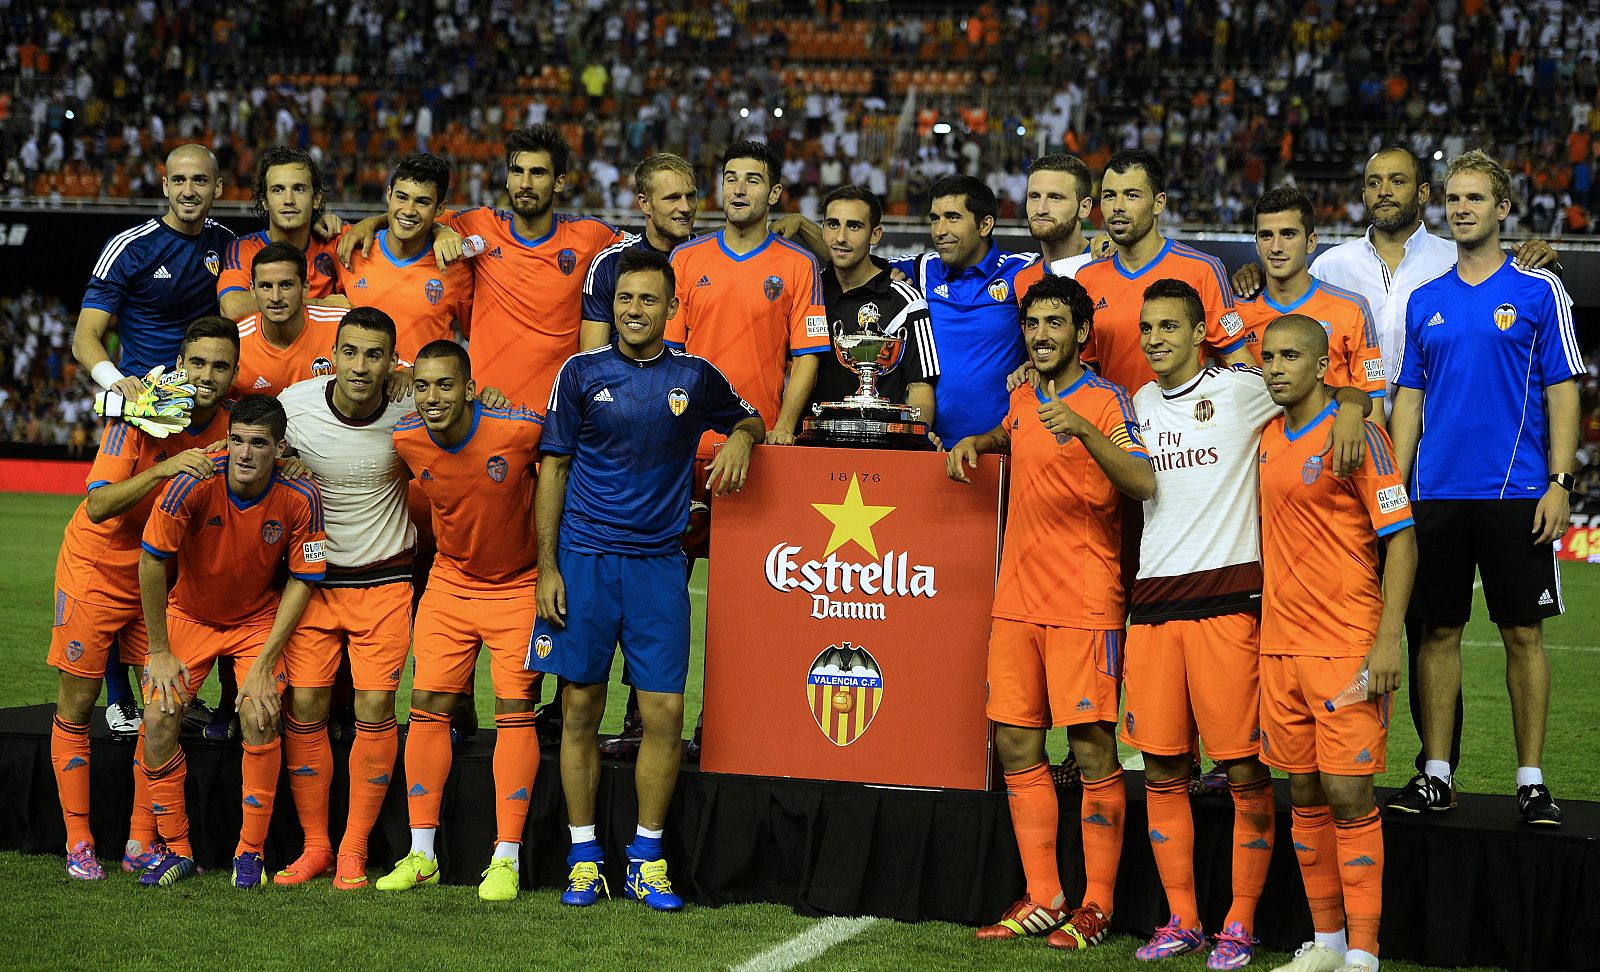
x: 1495, y: 644
x: 807, y: 945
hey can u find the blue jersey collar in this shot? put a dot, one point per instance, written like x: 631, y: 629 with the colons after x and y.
x: 511, y: 224
x: 1116, y: 261
x: 383, y: 244
x: 244, y: 504
x: 1291, y: 307
x: 736, y: 258
x: 1062, y: 393
x: 477, y: 413
x: 1293, y: 435
x: 984, y: 268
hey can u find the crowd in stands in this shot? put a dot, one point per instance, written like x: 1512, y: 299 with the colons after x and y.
x: 43, y: 399
x: 1236, y: 94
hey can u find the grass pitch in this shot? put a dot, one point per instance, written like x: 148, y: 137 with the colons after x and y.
x: 448, y: 928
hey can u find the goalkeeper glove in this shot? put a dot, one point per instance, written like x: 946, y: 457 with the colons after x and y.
x: 161, y: 409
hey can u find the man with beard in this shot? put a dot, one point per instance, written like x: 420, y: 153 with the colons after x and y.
x: 287, y: 192
x: 668, y: 197
x: 1060, y: 198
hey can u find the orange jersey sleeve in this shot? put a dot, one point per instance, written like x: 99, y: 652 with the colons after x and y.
x: 321, y: 265
x: 1025, y: 278
x: 267, y: 369
x: 1319, y: 541
x: 423, y: 301
x: 1061, y: 564
x: 528, y: 304
x: 229, y: 550
x: 481, y: 494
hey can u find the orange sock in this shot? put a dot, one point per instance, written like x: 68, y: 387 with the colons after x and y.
x: 1172, y: 842
x: 141, y: 823
x: 516, y: 765
x: 1035, y: 818
x: 310, y: 757
x: 427, y: 766
x: 1361, y: 875
x: 1105, y: 803
x: 371, y: 766
x: 69, y: 757
x: 166, y: 802
x: 1317, y: 848
x: 259, y: 768
x: 1253, y: 829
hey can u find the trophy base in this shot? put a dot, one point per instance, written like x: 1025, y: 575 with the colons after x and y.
x: 865, y: 427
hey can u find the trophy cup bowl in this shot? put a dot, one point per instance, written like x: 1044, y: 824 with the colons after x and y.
x: 866, y: 420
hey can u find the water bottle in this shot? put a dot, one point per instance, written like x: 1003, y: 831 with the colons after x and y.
x: 1356, y: 691
x: 472, y: 245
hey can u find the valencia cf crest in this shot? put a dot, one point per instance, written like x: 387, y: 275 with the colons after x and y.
x: 1311, y: 471
x: 434, y: 289
x: 1504, y: 316
x: 324, y: 265
x: 678, y: 401
x: 567, y: 261
x: 844, y: 690
x: 321, y: 367
x: 272, y: 531
x: 999, y: 290
x: 497, y: 468
x: 214, y: 263
x: 772, y: 287
x: 74, y: 650
x: 542, y: 646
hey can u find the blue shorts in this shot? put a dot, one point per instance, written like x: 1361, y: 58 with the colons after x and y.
x: 641, y: 603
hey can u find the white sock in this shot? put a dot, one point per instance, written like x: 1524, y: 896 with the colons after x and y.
x: 582, y: 834
x: 507, y: 850
x: 1438, y: 768
x: 1333, y: 941
x: 1529, y: 776
x: 422, y: 841
x: 1357, y: 957
x: 643, y: 832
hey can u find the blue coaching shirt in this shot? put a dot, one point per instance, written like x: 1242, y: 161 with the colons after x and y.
x: 975, y: 323
x: 155, y: 281
x: 631, y: 428
x: 1483, y: 357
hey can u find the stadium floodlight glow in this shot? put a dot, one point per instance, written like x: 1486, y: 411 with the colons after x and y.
x: 777, y: 113
x: 943, y: 128
x: 1022, y: 129
x: 744, y: 113
x: 1437, y: 155
x: 70, y: 115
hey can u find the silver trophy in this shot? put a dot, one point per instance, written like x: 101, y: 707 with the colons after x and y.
x: 866, y: 420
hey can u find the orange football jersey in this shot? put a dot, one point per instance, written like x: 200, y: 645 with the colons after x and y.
x: 422, y: 300
x: 481, y: 494
x: 748, y: 315
x: 99, y: 562
x: 528, y: 305
x: 1062, y: 562
x: 1119, y: 297
x: 322, y: 263
x: 1354, y: 360
x: 229, y: 550
x: 268, y: 369
x: 1319, y: 540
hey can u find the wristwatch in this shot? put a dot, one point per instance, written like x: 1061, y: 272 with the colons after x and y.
x: 1566, y: 481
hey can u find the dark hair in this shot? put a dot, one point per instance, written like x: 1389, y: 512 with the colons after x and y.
x: 370, y: 319
x: 1281, y: 200
x: 545, y: 138
x: 1300, y: 326
x: 443, y: 348
x: 423, y: 169
x: 263, y: 410
x: 761, y: 152
x: 639, y: 260
x: 1169, y: 289
x: 213, y: 326
x: 279, y: 252
x: 979, y: 197
x: 1140, y: 159
x: 1070, y: 164
x: 857, y: 194
x: 1066, y: 290
x: 1416, y: 163
x: 285, y: 155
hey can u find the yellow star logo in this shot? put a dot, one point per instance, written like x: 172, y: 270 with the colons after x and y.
x: 852, y: 520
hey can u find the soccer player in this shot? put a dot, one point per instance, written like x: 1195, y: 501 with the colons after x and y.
x: 969, y: 284
x: 229, y: 535
x: 1060, y: 197
x: 1133, y: 192
x: 98, y: 613
x: 1285, y: 239
x: 1486, y: 432
x: 288, y: 339
x: 476, y: 467
x: 401, y: 277
x: 287, y: 192
x: 861, y: 296
x: 1326, y: 621
x: 342, y: 428
x: 619, y: 444
x: 668, y: 197
x: 1193, y: 641
x: 1055, y: 648
x: 153, y: 281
